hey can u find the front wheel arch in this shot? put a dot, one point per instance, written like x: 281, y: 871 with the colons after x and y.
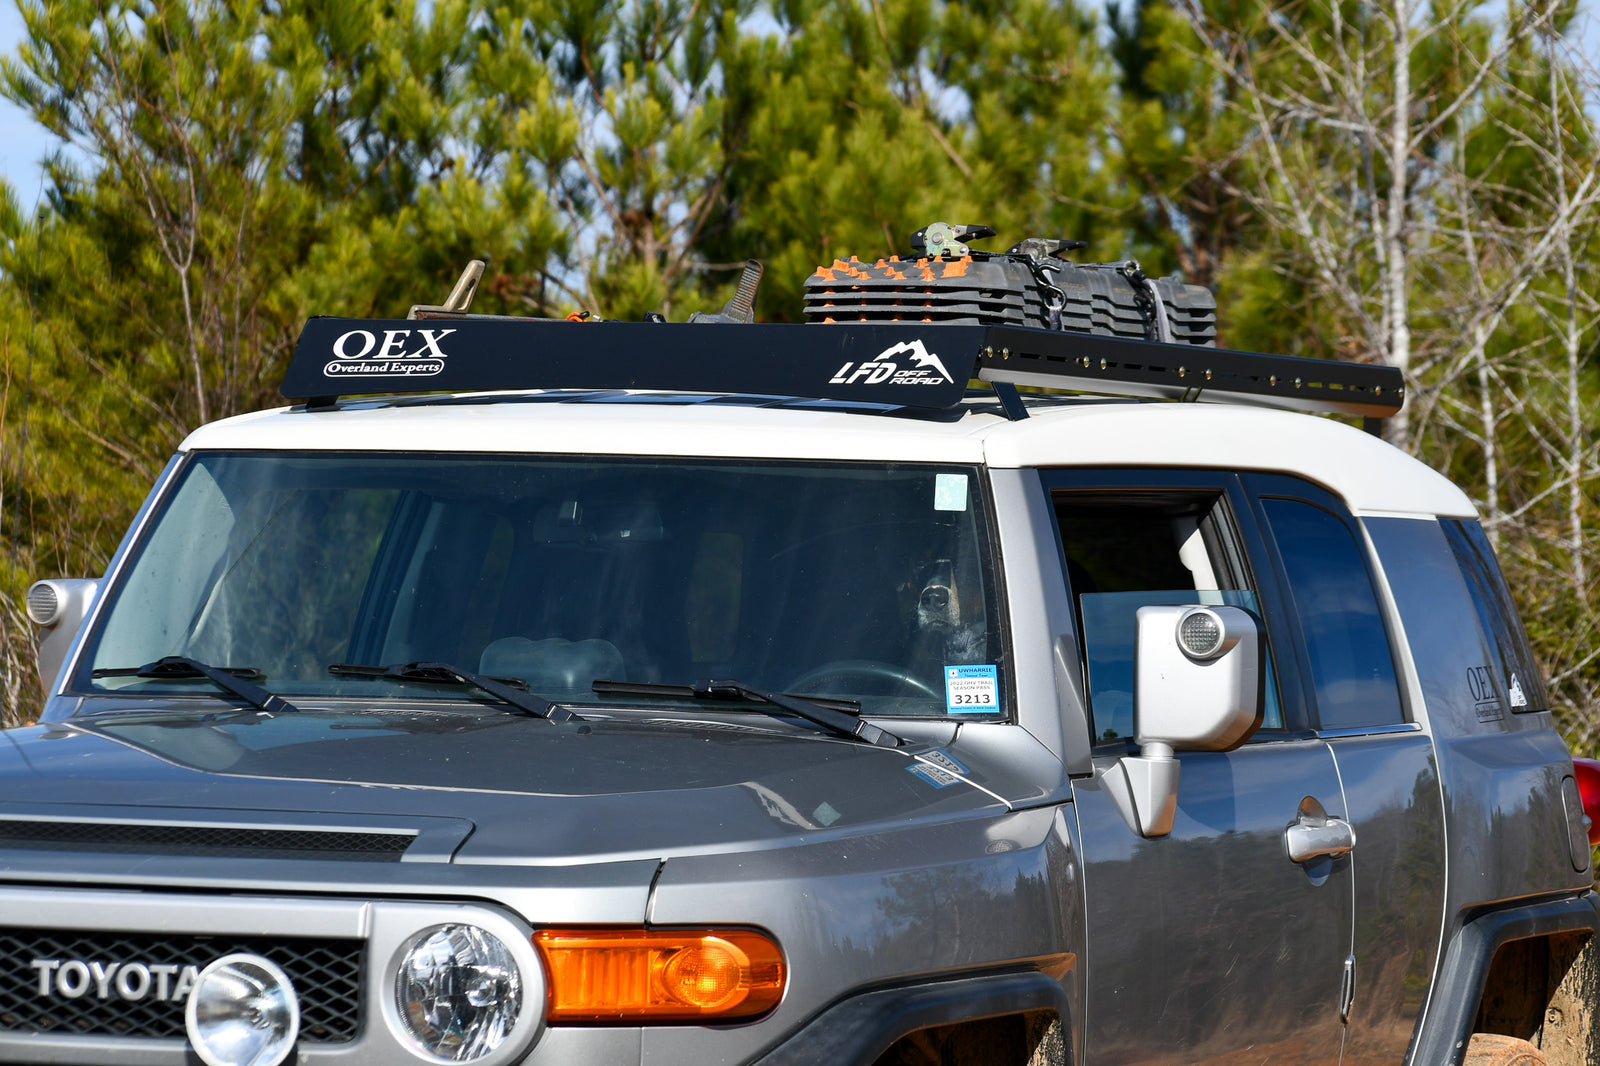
x: 1031, y: 1039
x: 860, y: 1028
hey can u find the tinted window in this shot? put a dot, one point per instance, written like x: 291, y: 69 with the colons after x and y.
x: 1122, y: 548
x: 1129, y: 550
x: 866, y: 581
x: 1507, y: 642
x: 1347, y: 649
x: 1110, y: 635
x: 1454, y: 665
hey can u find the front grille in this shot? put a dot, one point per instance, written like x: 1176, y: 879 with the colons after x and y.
x: 218, y: 841
x: 326, y: 976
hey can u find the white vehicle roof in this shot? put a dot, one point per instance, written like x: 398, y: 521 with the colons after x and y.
x: 1370, y: 475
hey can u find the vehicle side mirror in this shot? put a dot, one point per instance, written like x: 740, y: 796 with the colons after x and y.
x: 58, y: 607
x: 1197, y: 687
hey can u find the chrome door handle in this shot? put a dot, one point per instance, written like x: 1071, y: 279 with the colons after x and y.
x: 1315, y: 833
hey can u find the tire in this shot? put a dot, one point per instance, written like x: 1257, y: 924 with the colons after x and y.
x: 1492, y: 1049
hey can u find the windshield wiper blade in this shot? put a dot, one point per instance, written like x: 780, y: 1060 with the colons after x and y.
x: 504, y: 689
x: 817, y: 711
x: 231, y: 679
x: 689, y: 692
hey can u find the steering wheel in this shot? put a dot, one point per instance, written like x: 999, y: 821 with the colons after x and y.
x: 860, y: 669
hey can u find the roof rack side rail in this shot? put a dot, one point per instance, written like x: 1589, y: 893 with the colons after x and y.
x: 1109, y: 366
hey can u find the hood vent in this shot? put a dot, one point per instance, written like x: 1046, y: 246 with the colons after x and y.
x: 210, y: 840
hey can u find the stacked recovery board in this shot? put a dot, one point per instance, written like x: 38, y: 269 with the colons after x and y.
x: 1007, y: 290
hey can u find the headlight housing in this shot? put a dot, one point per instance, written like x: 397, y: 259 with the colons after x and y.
x: 458, y: 992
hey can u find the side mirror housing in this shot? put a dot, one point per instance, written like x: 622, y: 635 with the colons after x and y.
x: 1197, y: 678
x: 1197, y: 687
x: 58, y: 607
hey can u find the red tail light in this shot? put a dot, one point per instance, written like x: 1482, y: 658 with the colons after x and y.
x: 1587, y: 771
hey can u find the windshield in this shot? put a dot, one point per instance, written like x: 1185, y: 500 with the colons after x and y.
x: 861, y: 581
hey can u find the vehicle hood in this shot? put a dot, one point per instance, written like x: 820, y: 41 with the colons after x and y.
x: 600, y: 788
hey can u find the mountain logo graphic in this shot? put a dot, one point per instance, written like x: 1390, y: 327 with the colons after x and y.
x: 925, y: 369
x: 919, y: 355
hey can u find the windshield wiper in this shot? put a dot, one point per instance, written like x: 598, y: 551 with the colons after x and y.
x: 509, y: 690
x: 231, y: 679
x: 818, y: 711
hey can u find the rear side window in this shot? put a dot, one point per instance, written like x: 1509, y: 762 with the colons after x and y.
x: 1504, y: 638
x: 1348, y: 657
x: 1450, y: 647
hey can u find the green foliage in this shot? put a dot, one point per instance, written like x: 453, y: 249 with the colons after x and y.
x: 1182, y: 141
x: 863, y: 122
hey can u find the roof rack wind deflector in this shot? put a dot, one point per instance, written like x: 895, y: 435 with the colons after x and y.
x: 905, y: 364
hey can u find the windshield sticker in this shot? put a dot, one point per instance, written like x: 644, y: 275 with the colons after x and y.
x: 933, y: 775
x: 825, y: 814
x: 950, y: 492
x: 972, y: 689
x: 1517, y: 698
x: 944, y: 762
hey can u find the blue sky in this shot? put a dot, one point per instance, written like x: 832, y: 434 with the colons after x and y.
x: 23, y: 144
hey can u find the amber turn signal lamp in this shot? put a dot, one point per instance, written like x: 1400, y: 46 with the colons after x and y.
x: 651, y: 976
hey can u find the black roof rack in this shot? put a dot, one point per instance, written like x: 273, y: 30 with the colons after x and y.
x: 907, y: 364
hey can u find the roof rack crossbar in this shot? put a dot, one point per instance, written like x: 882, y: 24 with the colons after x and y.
x: 901, y: 364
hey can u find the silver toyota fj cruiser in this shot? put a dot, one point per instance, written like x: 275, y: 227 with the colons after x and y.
x: 605, y: 692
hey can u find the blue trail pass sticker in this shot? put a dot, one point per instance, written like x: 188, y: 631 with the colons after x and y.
x: 972, y: 689
x: 933, y: 775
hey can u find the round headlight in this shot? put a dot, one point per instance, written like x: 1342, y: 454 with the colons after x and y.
x: 459, y: 991
x: 242, y: 1011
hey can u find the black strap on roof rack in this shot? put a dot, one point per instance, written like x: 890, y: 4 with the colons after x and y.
x: 918, y: 365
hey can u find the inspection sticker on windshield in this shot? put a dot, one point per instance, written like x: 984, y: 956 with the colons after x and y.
x: 972, y: 689
x: 950, y: 492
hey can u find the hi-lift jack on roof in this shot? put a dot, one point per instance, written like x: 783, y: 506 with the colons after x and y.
x: 904, y: 333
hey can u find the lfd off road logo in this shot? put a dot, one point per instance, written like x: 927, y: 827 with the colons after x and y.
x: 403, y: 353
x: 926, y: 369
